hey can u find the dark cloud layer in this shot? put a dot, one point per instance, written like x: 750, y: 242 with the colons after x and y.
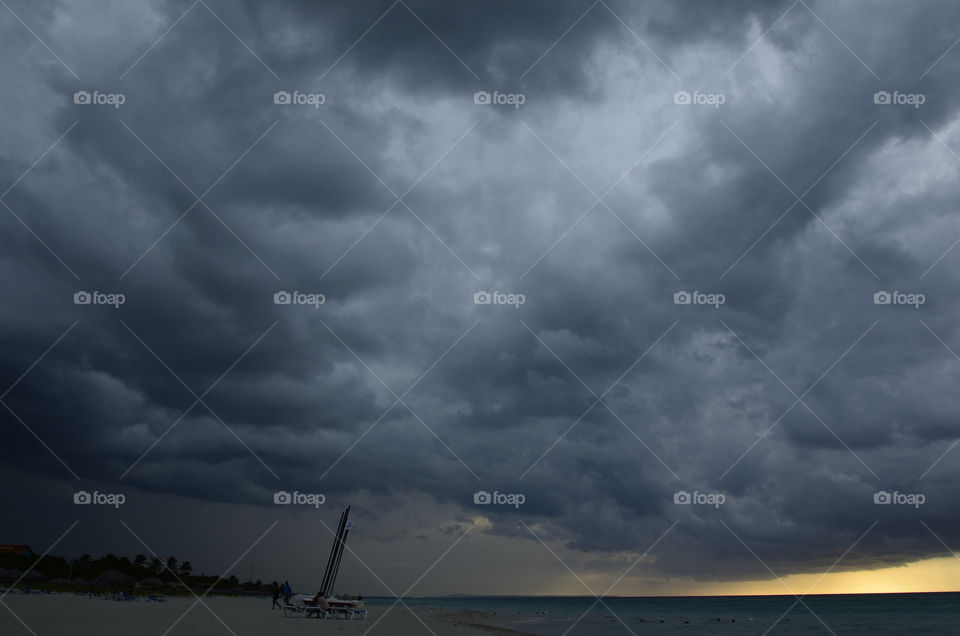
x: 399, y: 198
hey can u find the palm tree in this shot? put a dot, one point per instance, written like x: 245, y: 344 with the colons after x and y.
x: 172, y: 564
x: 186, y: 568
x: 140, y: 560
x: 156, y: 565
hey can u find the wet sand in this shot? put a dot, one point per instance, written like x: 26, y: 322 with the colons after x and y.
x: 68, y: 615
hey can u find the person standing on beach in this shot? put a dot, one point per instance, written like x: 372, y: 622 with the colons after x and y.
x: 287, y: 592
x: 275, y: 589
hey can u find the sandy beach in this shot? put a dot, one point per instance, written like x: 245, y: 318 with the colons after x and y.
x: 63, y: 615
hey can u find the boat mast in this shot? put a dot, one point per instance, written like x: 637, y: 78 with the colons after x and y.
x: 343, y: 543
x: 336, y: 554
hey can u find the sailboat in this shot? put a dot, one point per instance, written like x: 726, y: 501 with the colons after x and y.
x: 324, y: 604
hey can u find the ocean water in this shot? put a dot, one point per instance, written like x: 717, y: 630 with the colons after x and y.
x: 782, y: 615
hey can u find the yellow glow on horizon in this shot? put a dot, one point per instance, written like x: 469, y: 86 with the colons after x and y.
x: 941, y: 574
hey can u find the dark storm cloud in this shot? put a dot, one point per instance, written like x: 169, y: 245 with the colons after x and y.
x: 292, y: 188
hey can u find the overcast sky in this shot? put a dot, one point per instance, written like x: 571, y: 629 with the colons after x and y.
x: 585, y: 167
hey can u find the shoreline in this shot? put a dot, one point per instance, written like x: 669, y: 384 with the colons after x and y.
x: 72, y: 615
x: 476, y: 620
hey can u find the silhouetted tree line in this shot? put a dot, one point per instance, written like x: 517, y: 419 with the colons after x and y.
x: 171, y: 571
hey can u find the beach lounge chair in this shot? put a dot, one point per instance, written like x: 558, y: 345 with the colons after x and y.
x: 305, y: 606
x: 315, y: 611
x: 357, y: 612
x: 349, y: 609
x: 289, y: 609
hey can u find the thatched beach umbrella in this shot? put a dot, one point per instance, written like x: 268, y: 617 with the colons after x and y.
x: 115, y: 577
x: 152, y: 581
x: 9, y: 575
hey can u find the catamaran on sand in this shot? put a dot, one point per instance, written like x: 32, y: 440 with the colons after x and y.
x: 321, y: 605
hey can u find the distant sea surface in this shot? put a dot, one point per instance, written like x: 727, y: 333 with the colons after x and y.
x: 782, y: 615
